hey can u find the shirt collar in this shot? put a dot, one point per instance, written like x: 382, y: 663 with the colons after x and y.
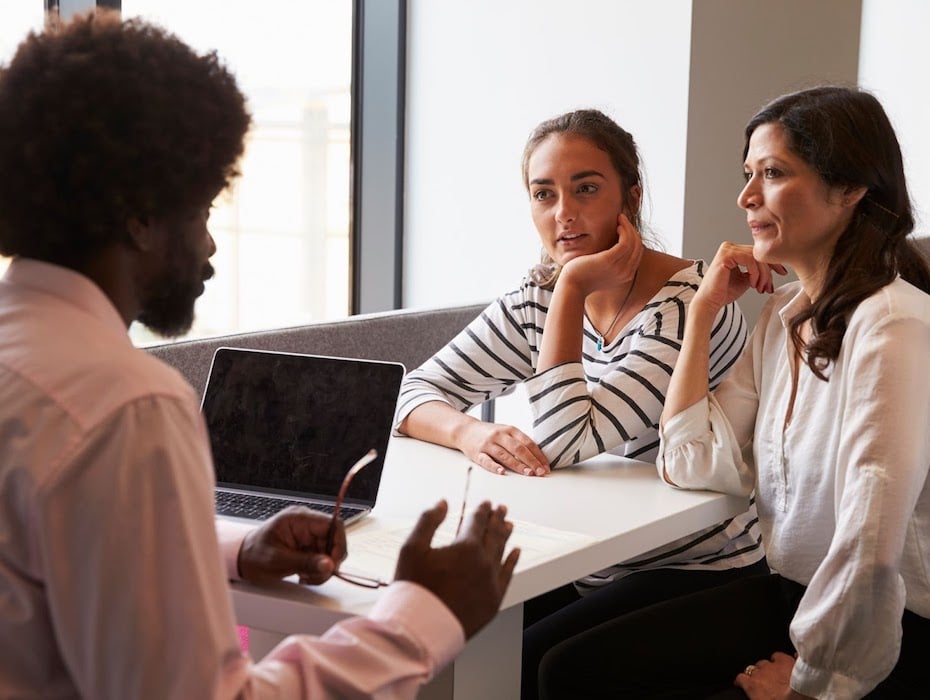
x: 69, y: 287
x: 799, y: 302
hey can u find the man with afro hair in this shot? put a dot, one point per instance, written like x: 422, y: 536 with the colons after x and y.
x: 114, y: 139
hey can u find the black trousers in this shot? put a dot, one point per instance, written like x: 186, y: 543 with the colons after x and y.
x: 695, y: 645
x: 561, y: 614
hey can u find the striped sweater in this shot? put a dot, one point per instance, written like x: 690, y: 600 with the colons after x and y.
x: 611, y: 401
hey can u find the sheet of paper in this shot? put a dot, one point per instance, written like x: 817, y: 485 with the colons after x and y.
x: 374, y: 547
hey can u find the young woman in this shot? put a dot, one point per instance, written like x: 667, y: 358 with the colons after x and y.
x: 593, y: 333
x: 833, y: 395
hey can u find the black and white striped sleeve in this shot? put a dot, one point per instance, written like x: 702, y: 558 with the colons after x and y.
x: 583, y: 409
x: 491, y: 355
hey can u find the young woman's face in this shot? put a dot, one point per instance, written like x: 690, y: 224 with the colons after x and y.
x: 795, y: 217
x: 576, y: 196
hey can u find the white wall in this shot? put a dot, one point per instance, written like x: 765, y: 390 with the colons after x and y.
x: 894, y: 64
x: 743, y: 54
x: 481, y: 75
x: 682, y: 76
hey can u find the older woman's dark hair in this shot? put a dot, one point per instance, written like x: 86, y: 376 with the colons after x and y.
x: 846, y: 137
x: 602, y: 131
x: 105, y: 121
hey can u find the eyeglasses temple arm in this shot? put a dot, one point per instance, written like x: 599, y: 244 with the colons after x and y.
x: 365, y: 459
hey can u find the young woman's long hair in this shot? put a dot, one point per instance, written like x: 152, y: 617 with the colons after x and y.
x: 846, y: 137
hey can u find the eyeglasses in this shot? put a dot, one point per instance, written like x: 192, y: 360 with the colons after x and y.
x: 366, y: 459
x: 458, y: 527
x: 356, y: 579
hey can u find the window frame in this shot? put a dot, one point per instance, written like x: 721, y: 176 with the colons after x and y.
x: 377, y: 144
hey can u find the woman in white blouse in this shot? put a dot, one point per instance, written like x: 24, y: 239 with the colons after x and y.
x: 825, y: 416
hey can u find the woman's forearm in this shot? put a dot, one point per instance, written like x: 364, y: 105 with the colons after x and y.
x: 689, y: 382
x: 436, y: 422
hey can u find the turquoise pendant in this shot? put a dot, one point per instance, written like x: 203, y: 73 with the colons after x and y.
x: 600, y: 343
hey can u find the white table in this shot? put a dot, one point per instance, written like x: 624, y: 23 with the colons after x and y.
x: 620, y: 503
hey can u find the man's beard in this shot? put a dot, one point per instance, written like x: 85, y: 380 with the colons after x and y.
x: 168, y: 302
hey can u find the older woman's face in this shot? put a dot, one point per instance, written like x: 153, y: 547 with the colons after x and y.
x: 795, y: 217
x: 576, y: 197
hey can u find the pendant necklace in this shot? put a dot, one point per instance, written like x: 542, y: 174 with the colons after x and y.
x: 600, y: 336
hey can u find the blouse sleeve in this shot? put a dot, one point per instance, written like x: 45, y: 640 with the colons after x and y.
x: 489, y: 357
x: 707, y: 446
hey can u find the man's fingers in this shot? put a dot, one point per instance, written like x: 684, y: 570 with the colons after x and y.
x: 300, y: 528
x: 476, y: 522
x: 422, y: 534
x: 497, y: 532
x: 315, y: 569
x: 506, y: 572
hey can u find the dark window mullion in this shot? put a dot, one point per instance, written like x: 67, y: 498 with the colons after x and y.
x: 378, y: 104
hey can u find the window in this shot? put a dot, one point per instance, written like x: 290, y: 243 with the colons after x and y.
x: 324, y: 156
x: 283, y: 230
x: 16, y: 21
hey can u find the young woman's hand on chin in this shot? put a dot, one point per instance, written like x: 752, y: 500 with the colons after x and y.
x: 608, y: 268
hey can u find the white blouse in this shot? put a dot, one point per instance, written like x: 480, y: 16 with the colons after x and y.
x: 841, y: 489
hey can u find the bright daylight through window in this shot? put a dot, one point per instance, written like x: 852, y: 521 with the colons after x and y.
x: 17, y: 19
x: 282, y: 231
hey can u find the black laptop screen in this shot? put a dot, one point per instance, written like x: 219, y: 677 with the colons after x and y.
x: 294, y: 424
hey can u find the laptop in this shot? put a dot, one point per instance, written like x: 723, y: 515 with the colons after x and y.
x: 285, y: 429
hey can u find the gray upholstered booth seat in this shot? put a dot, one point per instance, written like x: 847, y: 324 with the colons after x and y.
x: 405, y: 336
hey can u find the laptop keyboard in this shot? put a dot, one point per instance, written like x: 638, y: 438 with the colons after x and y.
x: 254, y: 507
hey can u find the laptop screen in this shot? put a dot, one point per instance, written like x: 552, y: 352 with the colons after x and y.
x: 294, y: 424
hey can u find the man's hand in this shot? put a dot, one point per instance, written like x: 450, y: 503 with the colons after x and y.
x: 468, y: 575
x: 292, y: 542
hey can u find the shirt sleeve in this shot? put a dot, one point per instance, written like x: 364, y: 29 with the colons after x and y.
x: 484, y: 361
x: 391, y: 653
x: 847, y: 629
x: 138, y: 588
x: 231, y: 535
x: 574, y: 418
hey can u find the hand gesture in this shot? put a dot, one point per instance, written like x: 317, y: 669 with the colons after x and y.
x: 732, y: 271
x: 498, y: 447
x: 613, y: 267
x: 292, y: 542
x: 468, y: 575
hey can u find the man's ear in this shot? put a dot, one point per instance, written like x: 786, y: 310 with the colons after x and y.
x: 141, y: 234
